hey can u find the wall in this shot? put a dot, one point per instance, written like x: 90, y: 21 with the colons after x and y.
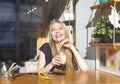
x: 83, y: 31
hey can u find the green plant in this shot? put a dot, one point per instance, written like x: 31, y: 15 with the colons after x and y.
x: 104, y: 27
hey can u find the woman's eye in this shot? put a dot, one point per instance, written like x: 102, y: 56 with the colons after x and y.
x: 60, y: 28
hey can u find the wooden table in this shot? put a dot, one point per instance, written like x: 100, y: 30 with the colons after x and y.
x: 71, y: 77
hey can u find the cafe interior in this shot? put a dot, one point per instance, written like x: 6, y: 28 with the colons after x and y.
x: 24, y: 26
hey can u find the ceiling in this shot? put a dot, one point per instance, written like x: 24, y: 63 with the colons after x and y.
x: 56, y: 8
x: 14, y: 11
x: 53, y: 8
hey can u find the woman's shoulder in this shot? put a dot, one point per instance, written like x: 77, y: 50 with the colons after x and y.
x: 44, y: 46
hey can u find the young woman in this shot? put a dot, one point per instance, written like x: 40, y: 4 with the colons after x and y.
x: 59, y: 44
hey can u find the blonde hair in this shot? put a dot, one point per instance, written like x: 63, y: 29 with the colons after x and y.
x: 66, y: 51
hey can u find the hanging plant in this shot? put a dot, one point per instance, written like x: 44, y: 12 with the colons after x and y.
x: 103, y: 27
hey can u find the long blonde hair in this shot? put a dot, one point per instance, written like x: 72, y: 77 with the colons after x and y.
x: 66, y: 51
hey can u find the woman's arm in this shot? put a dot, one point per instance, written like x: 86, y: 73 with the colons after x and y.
x: 41, y: 64
x: 56, y: 60
x: 80, y: 60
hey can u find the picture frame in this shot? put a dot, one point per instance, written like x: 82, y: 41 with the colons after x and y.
x: 108, y: 60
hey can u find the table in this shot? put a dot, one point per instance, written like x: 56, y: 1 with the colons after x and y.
x: 71, y: 77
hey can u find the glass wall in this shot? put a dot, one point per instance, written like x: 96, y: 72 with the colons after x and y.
x: 20, y: 22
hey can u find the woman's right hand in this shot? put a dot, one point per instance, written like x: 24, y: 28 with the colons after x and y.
x: 56, y: 60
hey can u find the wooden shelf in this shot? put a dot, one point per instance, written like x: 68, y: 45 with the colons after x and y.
x: 71, y: 22
x: 107, y: 45
x: 103, y: 5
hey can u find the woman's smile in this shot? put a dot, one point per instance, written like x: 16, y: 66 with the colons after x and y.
x: 58, y: 36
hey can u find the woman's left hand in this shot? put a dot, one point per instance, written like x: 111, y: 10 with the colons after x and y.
x: 66, y: 43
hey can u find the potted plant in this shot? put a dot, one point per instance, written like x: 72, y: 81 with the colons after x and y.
x: 104, y: 30
x: 103, y: 1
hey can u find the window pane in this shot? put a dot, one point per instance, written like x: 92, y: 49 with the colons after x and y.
x: 19, y: 30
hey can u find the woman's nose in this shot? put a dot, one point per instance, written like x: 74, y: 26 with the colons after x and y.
x: 57, y: 31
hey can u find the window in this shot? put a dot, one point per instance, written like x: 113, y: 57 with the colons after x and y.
x: 19, y: 29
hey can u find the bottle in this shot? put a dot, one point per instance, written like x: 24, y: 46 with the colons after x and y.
x: 4, y: 68
x: 6, y: 75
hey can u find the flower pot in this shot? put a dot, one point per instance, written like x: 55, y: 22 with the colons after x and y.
x: 97, y: 40
x: 106, y: 39
x: 103, y: 1
x: 117, y: 37
x: 68, y: 16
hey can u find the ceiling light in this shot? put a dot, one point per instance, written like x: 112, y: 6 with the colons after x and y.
x: 46, y: 0
x: 34, y: 8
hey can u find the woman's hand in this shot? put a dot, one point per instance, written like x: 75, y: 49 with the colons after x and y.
x: 66, y: 43
x: 56, y: 60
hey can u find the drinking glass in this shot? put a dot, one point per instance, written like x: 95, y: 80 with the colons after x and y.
x: 7, y: 77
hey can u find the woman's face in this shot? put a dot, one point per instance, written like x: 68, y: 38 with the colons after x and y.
x: 57, y: 32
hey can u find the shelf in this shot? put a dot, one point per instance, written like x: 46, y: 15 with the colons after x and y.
x: 103, y: 5
x: 107, y: 54
x: 71, y: 22
x: 106, y: 45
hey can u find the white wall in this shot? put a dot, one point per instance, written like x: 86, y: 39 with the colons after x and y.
x: 83, y: 31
